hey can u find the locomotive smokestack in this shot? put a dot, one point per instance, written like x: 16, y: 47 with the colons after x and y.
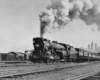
x: 42, y: 26
x: 41, y: 32
x: 41, y: 35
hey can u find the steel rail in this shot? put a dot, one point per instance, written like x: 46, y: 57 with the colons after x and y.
x: 83, y: 75
x: 40, y: 70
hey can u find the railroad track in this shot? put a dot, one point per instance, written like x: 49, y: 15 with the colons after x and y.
x: 7, y: 63
x: 25, y: 64
x: 93, y: 77
x: 83, y: 75
x: 40, y: 70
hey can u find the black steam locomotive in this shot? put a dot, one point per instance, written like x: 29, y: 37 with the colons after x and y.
x: 52, y: 51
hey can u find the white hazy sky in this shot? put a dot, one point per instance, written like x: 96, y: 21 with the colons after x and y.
x: 19, y: 23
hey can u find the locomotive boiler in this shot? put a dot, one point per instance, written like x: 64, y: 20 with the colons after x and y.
x: 61, y: 51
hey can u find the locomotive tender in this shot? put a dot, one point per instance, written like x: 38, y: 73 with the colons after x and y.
x: 52, y: 51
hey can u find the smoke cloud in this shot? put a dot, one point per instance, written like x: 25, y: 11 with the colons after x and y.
x: 61, y: 12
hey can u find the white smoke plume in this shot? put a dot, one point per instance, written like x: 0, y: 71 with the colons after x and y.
x: 61, y: 12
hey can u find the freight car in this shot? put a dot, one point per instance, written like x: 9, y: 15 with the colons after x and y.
x: 52, y: 51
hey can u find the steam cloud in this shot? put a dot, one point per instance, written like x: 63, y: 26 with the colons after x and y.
x: 61, y: 12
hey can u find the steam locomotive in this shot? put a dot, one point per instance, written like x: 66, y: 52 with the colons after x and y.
x: 53, y: 51
x: 12, y: 56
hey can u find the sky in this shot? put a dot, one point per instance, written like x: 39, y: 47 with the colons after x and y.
x: 19, y: 23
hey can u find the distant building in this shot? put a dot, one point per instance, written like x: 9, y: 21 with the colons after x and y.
x: 96, y: 47
x: 89, y: 48
x: 92, y: 46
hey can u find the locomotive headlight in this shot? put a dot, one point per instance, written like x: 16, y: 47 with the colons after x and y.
x: 36, y: 45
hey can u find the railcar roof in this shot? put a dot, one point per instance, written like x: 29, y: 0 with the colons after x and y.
x: 82, y: 49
